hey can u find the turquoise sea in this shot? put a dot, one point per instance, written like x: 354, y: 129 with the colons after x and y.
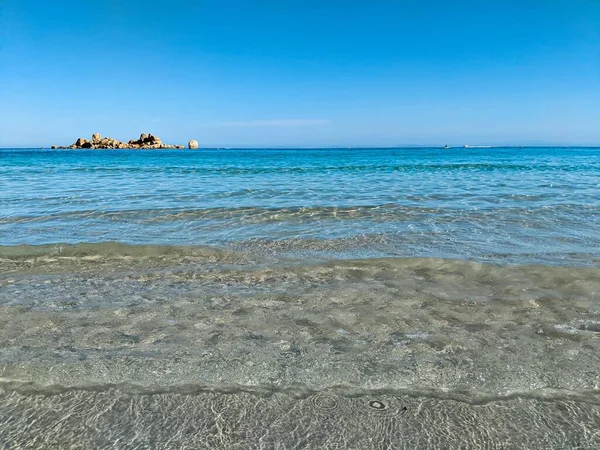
x: 300, y: 298
x: 517, y: 205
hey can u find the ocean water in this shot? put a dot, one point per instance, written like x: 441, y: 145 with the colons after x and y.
x: 522, y: 205
x: 300, y: 298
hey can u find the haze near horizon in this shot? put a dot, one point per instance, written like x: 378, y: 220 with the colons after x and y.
x: 262, y: 73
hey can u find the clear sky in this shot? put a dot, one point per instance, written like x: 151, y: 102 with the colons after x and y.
x: 301, y: 73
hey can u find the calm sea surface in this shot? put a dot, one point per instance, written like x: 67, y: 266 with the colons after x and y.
x: 519, y: 205
x: 355, y: 298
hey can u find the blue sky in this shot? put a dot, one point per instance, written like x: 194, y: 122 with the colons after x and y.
x: 310, y: 73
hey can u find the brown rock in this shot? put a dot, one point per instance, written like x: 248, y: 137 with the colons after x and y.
x: 147, y: 141
x: 152, y: 140
x: 193, y: 144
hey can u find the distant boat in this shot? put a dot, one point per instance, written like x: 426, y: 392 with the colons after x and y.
x: 447, y: 146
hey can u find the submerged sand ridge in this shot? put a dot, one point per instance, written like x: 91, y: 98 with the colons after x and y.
x: 145, y: 141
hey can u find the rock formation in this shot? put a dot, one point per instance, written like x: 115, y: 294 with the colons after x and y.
x: 193, y: 144
x: 145, y: 141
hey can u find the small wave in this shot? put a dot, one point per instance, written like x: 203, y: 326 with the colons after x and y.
x: 104, y: 249
x: 365, y: 249
x: 328, y: 169
x: 386, y: 212
x: 113, y: 419
x: 301, y: 391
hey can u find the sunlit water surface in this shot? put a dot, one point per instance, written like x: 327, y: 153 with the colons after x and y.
x: 364, y: 298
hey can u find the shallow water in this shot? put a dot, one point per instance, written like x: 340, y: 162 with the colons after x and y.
x: 122, y: 418
x: 340, y: 322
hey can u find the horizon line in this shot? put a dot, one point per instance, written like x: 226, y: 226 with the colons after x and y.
x: 351, y: 147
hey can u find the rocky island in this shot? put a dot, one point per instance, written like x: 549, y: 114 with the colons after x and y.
x: 146, y: 141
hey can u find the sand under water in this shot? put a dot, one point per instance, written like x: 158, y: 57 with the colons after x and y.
x: 300, y: 298
x: 119, y: 346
